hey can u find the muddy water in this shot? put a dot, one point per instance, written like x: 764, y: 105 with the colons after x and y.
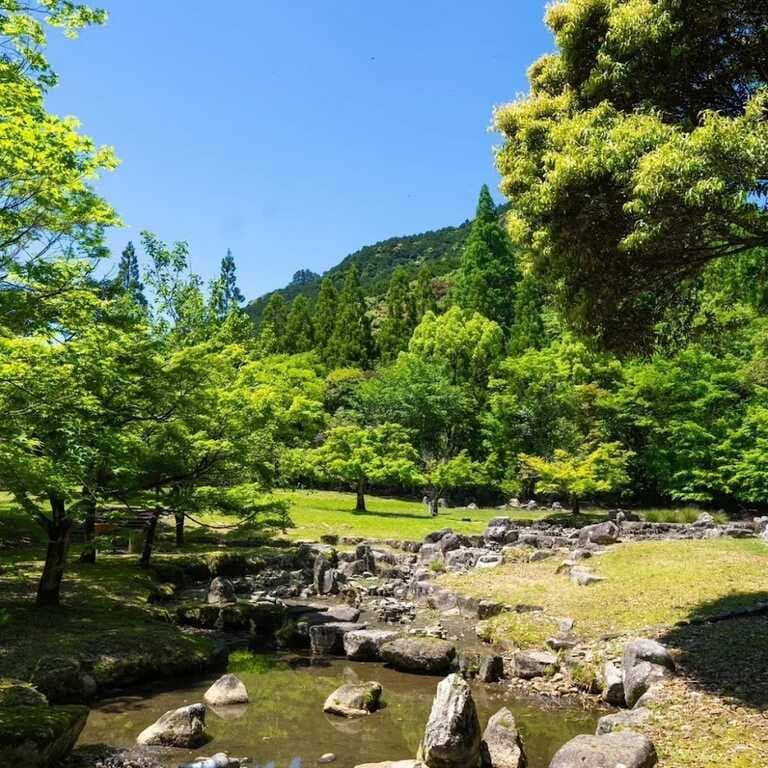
x: 284, y: 725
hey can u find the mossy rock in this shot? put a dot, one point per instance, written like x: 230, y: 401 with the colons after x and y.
x: 39, y: 736
x: 200, y: 615
x: 264, y: 619
x: 229, y: 564
x: 162, y: 593
x: 17, y: 693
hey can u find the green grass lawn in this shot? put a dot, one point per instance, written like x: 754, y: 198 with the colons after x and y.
x: 648, y: 584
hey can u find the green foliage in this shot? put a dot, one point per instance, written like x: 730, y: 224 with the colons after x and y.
x: 488, y: 272
x: 639, y: 155
x: 229, y: 295
x: 400, y: 318
x: 272, y: 325
x: 324, y: 318
x: 528, y: 331
x: 351, y: 342
x: 299, y: 330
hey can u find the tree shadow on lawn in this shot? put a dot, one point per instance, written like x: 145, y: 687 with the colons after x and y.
x: 728, y: 658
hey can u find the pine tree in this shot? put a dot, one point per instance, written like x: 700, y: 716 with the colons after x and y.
x: 299, y: 331
x: 230, y: 296
x: 488, y: 272
x: 324, y: 319
x: 400, y: 320
x: 423, y: 293
x: 128, y: 280
x: 528, y: 331
x: 272, y: 324
x: 351, y: 342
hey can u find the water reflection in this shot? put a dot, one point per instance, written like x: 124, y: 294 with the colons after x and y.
x: 284, y: 724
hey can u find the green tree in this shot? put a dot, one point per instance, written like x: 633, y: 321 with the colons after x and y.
x: 488, y: 272
x: 272, y: 324
x: 351, y: 342
x: 639, y: 156
x: 128, y: 278
x: 424, y: 293
x: 447, y: 474
x: 324, y: 316
x: 592, y: 470
x: 528, y: 331
x: 364, y: 455
x: 299, y: 330
x: 400, y: 318
x: 230, y: 297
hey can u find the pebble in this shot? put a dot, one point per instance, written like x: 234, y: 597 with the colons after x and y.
x: 328, y: 757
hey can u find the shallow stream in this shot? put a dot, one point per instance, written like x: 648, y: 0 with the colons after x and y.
x: 284, y: 726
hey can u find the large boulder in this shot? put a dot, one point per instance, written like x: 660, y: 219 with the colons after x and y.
x: 529, y: 664
x: 354, y: 699
x: 423, y: 655
x: 640, y: 679
x: 16, y: 693
x: 642, y: 649
x: 182, y: 727
x: 324, y: 574
x: 452, y: 736
x: 63, y: 681
x: 365, y: 644
x: 328, y: 639
x: 502, y: 746
x: 228, y: 689
x: 39, y: 736
x: 599, y: 533
x: 221, y: 591
x: 613, y: 684
x: 625, y: 748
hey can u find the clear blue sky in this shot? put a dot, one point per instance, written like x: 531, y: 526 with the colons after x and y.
x: 295, y: 132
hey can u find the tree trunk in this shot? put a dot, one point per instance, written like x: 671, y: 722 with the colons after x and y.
x: 59, y: 528
x: 575, y: 505
x: 360, y: 505
x: 149, y: 539
x: 179, y: 529
x: 433, y: 502
x: 88, y: 555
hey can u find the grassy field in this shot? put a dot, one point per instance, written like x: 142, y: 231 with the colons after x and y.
x: 648, y: 584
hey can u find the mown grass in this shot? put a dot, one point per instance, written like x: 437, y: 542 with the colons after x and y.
x: 648, y: 584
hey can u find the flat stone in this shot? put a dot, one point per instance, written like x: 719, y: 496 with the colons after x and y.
x: 620, y: 748
x: 365, y: 644
x: 423, y: 655
x: 328, y: 638
x: 529, y: 664
x: 622, y: 720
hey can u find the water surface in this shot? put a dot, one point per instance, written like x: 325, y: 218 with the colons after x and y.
x: 284, y: 726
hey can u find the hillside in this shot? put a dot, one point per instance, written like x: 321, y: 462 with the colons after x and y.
x: 441, y: 248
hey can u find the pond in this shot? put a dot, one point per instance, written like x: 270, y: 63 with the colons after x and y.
x: 284, y: 725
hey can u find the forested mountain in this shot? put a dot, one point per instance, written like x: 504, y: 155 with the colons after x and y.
x: 440, y: 248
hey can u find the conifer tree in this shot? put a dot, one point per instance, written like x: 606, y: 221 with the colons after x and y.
x: 400, y: 320
x: 423, y: 293
x: 351, y: 342
x: 272, y: 324
x: 128, y: 279
x: 299, y: 330
x: 230, y: 296
x: 528, y: 330
x: 324, y: 319
x: 488, y: 272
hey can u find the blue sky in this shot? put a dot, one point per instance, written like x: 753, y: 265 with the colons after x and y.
x: 295, y: 132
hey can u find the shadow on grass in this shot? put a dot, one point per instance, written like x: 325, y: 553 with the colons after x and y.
x: 728, y: 658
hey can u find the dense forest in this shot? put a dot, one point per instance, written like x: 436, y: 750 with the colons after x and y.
x: 604, y: 337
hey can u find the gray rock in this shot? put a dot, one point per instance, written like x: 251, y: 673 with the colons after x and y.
x: 449, y: 542
x: 452, y: 736
x: 423, y: 655
x: 487, y: 609
x: 182, y: 727
x: 221, y: 591
x: 613, y: 684
x: 394, y: 764
x: 642, y: 649
x: 622, y: 748
x: 502, y: 746
x: 429, y: 551
x: 219, y: 760
x: 599, y: 533
x: 491, y: 669
x: 489, y: 560
x: 704, y: 520
x: 324, y: 574
x: 329, y: 638
x: 365, y: 644
x: 640, y: 679
x: 228, y: 689
x: 354, y: 699
x: 63, y: 681
x: 529, y: 664
x: 622, y: 720
x: 343, y: 613
x: 583, y: 577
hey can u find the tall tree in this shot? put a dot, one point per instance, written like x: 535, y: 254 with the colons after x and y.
x: 272, y: 324
x: 528, y: 329
x: 299, y: 330
x: 488, y: 272
x: 324, y: 316
x: 128, y: 277
x: 400, y: 318
x: 424, y: 293
x: 229, y: 296
x: 351, y: 342
x: 639, y: 155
